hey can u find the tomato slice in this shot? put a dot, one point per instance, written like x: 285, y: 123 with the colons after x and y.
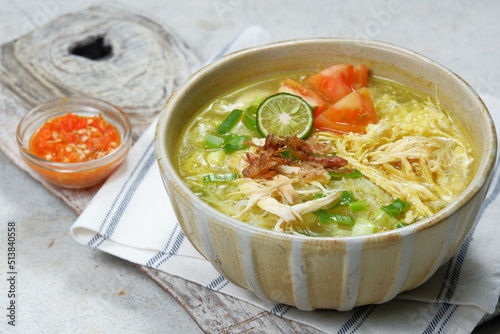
x: 351, y: 114
x: 312, y: 98
x: 360, y: 76
x: 338, y: 81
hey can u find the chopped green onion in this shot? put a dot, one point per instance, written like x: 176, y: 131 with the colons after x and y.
x: 249, y: 118
x: 396, y: 208
x: 385, y: 220
x: 317, y: 196
x: 358, y: 206
x: 287, y: 154
x: 230, y: 122
x: 222, y: 177
x: 234, y: 142
x: 213, y: 142
x: 399, y: 225
x: 231, y: 148
x: 346, y: 198
x: 198, y: 190
x: 257, y: 101
x: 356, y: 174
x: 362, y: 227
x: 235, y: 139
x: 327, y: 217
x: 216, y: 157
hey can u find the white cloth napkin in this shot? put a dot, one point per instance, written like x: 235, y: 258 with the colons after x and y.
x: 131, y: 218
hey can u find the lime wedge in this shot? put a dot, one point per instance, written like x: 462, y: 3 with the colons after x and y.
x: 285, y: 114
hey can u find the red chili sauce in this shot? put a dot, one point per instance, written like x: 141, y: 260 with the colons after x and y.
x: 73, y: 138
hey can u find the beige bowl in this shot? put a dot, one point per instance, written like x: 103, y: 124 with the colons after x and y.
x: 331, y: 273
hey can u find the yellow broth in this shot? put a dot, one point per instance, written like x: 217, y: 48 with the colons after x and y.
x: 416, y: 152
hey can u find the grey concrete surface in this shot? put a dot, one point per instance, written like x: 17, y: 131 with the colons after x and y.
x: 64, y: 287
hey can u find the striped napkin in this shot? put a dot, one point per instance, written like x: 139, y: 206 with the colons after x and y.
x: 131, y: 217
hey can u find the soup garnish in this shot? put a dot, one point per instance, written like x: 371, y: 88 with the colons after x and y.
x: 284, y: 114
x: 380, y: 156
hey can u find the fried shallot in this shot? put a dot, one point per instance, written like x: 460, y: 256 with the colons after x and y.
x: 261, y: 165
x: 304, y: 150
x: 266, y: 161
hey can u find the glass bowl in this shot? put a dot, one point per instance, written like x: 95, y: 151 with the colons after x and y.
x: 77, y: 174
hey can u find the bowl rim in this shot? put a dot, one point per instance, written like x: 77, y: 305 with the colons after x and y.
x: 73, y: 167
x: 481, y: 178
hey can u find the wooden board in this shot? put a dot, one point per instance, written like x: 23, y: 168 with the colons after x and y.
x: 122, y: 57
x: 144, y: 63
x: 218, y: 313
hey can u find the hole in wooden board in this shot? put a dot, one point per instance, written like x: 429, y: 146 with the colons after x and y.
x: 93, y: 48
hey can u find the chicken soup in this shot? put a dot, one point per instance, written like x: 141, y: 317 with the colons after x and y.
x: 326, y: 154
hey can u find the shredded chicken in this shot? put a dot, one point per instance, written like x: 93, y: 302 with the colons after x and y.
x: 255, y: 191
x: 261, y: 194
x: 269, y: 176
x: 423, y: 161
x: 316, y: 204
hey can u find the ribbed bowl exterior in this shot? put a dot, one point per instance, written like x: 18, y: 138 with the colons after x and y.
x: 326, y: 273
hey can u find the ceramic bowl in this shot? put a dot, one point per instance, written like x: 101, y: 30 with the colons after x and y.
x: 80, y: 174
x: 336, y: 272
